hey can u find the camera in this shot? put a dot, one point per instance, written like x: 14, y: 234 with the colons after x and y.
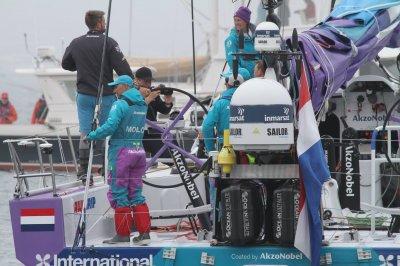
x: 164, y: 90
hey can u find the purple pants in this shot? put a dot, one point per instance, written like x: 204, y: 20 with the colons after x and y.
x: 126, y: 168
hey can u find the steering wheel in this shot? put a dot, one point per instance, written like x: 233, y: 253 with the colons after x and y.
x: 167, y: 137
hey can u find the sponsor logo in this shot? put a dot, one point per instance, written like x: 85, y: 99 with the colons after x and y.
x: 279, y: 211
x: 386, y: 261
x: 134, y: 129
x: 90, y: 204
x: 228, y: 215
x: 245, y: 209
x: 235, y: 132
x: 112, y: 260
x: 43, y: 260
x: 139, y: 113
x: 281, y: 131
x: 286, y: 110
x: 368, y: 118
x: 276, y: 118
x: 239, y: 117
x: 281, y: 256
x: 185, y: 174
x: 349, y: 171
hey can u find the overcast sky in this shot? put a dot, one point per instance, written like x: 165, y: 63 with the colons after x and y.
x: 158, y: 28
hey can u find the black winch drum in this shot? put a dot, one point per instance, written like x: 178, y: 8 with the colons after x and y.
x: 243, y: 212
x: 286, y: 204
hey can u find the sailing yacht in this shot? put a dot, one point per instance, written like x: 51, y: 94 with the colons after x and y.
x: 258, y: 203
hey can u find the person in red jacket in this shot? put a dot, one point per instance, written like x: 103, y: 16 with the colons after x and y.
x: 40, y: 111
x: 8, y: 114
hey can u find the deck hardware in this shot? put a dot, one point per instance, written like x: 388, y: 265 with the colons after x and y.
x: 364, y: 254
x: 326, y: 259
x: 205, y: 259
x: 169, y: 253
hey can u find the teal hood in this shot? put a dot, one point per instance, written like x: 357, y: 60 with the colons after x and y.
x: 134, y: 96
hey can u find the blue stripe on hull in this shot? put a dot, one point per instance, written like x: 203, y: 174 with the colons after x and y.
x: 37, y: 227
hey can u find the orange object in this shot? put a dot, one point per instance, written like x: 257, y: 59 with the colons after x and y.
x: 8, y: 114
x: 39, y: 112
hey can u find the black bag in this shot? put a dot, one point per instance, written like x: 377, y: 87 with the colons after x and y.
x: 243, y: 212
x: 286, y: 204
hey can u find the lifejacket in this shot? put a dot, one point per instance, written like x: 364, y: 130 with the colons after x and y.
x: 7, y: 112
x: 41, y: 111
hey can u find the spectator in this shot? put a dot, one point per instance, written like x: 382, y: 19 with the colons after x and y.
x: 40, y: 111
x: 84, y: 55
x: 8, y: 114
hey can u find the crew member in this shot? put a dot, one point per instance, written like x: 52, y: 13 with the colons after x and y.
x: 84, y: 55
x: 218, y: 116
x: 241, y: 19
x: 152, y: 138
x: 127, y: 160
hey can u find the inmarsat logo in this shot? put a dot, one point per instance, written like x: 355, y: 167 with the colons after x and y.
x: 239, y: 117
x: 43, y: 260
x: 286, y: 110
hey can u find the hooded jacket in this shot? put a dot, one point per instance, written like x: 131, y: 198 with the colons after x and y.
x: 232, y: 46
x: 126, y: 121
x: 217, y: 117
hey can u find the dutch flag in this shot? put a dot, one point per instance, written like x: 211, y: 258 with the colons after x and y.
x: 313, y: 173
x: 38, y: 219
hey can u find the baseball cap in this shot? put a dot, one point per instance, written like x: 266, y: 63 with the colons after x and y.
x: 4, y: 95
x: 123, y: 79
x: 144, y: 73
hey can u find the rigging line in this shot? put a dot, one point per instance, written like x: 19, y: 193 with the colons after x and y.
x: 193, y: 51
x: 81, y: 228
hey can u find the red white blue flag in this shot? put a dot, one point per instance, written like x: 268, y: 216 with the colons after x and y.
x: 37, y: 219
x: 313, y: 173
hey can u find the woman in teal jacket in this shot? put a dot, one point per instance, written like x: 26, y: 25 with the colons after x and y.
x: 218, y: 116
x: 127, y: 160
x: 242, y: 22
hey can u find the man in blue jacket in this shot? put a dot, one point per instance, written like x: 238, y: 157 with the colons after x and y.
x: 127, y: 160
x: 241, y: 20
x: 218, y: 116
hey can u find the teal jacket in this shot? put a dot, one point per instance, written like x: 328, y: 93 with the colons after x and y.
x: 232, y: 46
x: 126, y: 121
x: 217, y: 117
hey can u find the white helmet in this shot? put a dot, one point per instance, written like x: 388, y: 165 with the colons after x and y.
x: 267, y: 37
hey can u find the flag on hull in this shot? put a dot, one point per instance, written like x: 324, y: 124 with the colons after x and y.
x: 37, y: 219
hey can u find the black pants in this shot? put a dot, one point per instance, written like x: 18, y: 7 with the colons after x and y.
x: 152, y: 143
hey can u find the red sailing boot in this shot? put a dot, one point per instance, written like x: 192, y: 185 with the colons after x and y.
x: 123, y: 225
x: 141, y: 218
